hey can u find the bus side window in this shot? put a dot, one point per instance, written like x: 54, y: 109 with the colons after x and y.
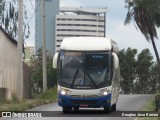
x: 111, y: 64
x: 111, y: 67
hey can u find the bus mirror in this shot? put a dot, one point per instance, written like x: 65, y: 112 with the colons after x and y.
x: 55, y: 58
x: 115, y: 60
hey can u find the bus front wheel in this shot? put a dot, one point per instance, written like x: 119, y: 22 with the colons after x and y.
x: 66, y: 109
x: 76, y: 108
x: 114, y: 107
x: 107, y: 109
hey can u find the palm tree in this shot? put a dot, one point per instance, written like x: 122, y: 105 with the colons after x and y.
x: 146, y: 14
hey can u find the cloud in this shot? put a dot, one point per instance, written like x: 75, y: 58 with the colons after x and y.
x: 125, y: 36
x: 70, y: 3
x: 93, y: 2
x: 30, y: 41
x: 116, y: 9
x: 30, y: 12
x: 129, y: 36
x: 83, y: 2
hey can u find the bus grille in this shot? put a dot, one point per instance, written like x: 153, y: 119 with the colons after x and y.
x: 89, y: 102
x: 88, y: 96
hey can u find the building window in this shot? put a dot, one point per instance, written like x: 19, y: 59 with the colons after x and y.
x: 101, y: 31
x: 84, y: 25
x: 100, y: 25
x: 63, y: 19
x: 100, y: 20
x: 77, y: 30
x: 59, y: 40
x: 62, y: 35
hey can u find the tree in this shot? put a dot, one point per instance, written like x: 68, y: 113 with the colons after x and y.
x: 9, y: 18
x: 127, y: 68
x: 146, y: 14
x: 155, y: 78
x: 139, y: 73
x: 143, y: 70
x: 37, y: 78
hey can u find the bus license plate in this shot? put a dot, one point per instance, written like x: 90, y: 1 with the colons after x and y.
x: 83, y: 105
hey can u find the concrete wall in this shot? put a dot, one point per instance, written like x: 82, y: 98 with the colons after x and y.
x: 8, y: 63
x: 5, y: 94
x: 8, y: 68
x: 27, y: 91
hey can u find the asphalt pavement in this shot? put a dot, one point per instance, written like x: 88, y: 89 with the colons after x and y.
x: 127, y: 104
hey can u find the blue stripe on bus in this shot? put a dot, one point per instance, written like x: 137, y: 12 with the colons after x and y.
x: 79, y: 102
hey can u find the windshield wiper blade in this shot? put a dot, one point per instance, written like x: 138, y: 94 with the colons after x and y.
x: 91, y: 79
x: 75, y: 76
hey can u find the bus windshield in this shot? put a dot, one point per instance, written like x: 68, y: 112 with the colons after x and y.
x: 84, y: 70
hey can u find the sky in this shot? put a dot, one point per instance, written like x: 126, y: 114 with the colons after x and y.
x: 124, y: 35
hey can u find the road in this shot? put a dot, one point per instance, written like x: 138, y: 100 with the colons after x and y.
x: 126, y: 103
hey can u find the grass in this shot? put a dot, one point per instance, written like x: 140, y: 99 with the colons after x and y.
x: 150, y: 106
x: 49, y: 96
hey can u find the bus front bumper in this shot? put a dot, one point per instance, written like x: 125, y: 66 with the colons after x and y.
x: 96, y: 102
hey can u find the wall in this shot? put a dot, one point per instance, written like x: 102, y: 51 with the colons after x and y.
x: 8, y: 63
x: 8, y: 67
x: 27, y: 93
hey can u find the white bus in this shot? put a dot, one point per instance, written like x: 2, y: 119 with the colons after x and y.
x: 88, y: 73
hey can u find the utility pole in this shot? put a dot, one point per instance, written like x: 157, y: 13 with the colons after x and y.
x: 44, y: 48
x: 19, y: 83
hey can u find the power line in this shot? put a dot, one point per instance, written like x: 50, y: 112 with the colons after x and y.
x: 32, y: 5
x: 34, y: 12
x: 32, y: 16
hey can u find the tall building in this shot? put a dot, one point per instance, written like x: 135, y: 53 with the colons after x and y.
x: 82, y: 21
x: 51, y: 10
x: 67, y: 22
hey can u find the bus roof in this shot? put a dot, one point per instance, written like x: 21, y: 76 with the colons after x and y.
x: 86, y: 44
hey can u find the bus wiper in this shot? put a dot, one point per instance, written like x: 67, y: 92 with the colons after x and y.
x: 91, y: 79
x: 75, y: 76
x: 76, y: 73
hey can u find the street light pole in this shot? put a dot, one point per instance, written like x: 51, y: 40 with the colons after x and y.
x: 19, y: 83
x: 44, y: 48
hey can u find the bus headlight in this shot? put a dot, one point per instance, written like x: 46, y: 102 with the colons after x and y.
x: 105, y: 93
x: 64, y: 91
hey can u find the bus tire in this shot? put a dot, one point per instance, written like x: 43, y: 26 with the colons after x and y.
x: 76, y: 108
x: 114, y: 107
x: 66, y: 109
x: 107, y: 109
